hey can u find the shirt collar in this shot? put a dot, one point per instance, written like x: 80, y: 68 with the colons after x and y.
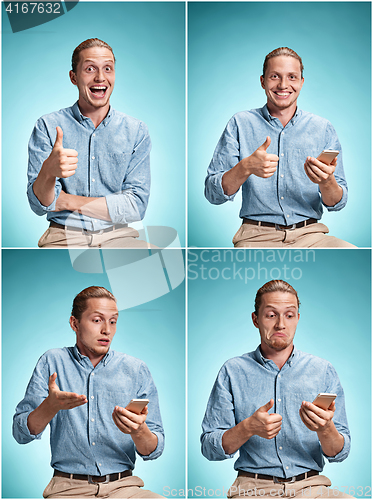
x: 80, y: 118
x: 269, y: 118
x: 80, y: 357
x: 263, y: 361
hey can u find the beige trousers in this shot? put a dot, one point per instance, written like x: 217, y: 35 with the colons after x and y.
x: 125, y: 237
x: 312, y: 236
x: 127, y: 487
x: 312, y: 487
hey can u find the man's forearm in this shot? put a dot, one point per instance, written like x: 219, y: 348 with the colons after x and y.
x: 331, y: 441
x: 44, y: 188
x: 40, y: 417
x: 331, y: 192
x: 233, y: 179
x: 93, y: 207
x: 235, y: 437
x: 145, y: 441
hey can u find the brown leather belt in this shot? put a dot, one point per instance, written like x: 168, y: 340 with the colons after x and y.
x: 81, y: 230
x: 275, y: 479
x: 280, y: 227
x: 94, y: 479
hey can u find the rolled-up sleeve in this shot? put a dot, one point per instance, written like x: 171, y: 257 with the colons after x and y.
x: 130, y: 204
x: 148, y: 390
x: 226, y: 156
x: 39, y: 148
x: 334, y: 144
x: 36, y: 392
x: 340, y: 418
x: 219, y: 417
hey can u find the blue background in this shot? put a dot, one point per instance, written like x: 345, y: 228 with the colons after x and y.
x: 38, y: 290
x: 227, y: 44
x: 334, y: 289
x: 148, y: 40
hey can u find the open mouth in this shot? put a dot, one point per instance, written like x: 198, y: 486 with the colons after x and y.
x: 104, y: 342
x: 282, y: 95
x: 99, y: 91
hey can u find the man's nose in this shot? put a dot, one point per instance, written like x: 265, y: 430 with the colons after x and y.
x: 280, y: 322
x: 100, y: 76
x: 282, y: 83
x: 107, y: 327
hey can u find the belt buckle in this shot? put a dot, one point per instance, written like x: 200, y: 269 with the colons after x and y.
x: 281, y: 480
x: 107, y: 480
x: 285, y: 228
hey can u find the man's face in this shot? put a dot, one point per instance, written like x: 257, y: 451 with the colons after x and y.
x: 96, y: 328
x: 95, y: 76
x: 282, y: 82
x: 277, y: 319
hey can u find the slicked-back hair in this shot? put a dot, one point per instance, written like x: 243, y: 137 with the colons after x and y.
x: 87, y: 44
x: 273, y: 286
x: 92, y: 292
x: 282, y: 51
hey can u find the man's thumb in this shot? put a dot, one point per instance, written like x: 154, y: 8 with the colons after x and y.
x: 268, y: 406
x: 265, y: 144
x: 52, y: 378
x: 59, y: 138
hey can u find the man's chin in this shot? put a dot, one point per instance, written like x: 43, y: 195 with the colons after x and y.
x: 278, y: 343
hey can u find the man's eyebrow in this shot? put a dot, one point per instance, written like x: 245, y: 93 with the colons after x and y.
x: 275, y: 307
x: 103, y: 314
x: 95, y: 62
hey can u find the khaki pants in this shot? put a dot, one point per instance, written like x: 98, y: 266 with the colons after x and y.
x: 127, y: 487
x: 312, y: 487
x: 311, y: 236
x: 125, y: 237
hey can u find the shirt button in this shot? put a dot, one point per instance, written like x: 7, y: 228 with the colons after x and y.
x: 92, y: 374
x: 288, y: 215
x: 280, y: 448
x: 92, y: 419
x: 282, y: 197
x: 93, y: 180
x: 93, y: 444
x: 282, y: 175
x: 286, y: 467
x: 93, y: 157
x: 92, y: 397
x: 100, y: 465
x: 279, y: 376
x: 279, y: 399
x: 282, y: 154
x: 94, y: 135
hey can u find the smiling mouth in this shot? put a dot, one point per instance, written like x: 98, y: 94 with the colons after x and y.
x: 282, y: 95
x: 98, y: 91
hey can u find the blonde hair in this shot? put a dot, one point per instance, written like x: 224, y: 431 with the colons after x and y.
x: 87, y: 44
x: 282, y: 51
x: 92, y: 292
x: 273, y: 286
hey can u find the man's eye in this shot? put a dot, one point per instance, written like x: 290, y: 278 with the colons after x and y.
x: 90, y: 69
x: 108, y: 68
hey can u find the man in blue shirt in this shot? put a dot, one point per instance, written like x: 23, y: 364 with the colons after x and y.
x: 272, y: 153
x: 82, y: 392
x: 89, y: 164
x: 261, y: 405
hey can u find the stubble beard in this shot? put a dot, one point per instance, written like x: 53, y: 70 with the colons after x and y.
x: 278, y: 344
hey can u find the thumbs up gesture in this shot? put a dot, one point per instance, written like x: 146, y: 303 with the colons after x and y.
x: 261, y: 163
x: 61, y: 162
x: 263, y: 424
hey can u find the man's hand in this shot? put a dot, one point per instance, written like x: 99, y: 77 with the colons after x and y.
x: 321, y: 421
x: 263, y: 424
x: 55, y: 401
x: 129, y: 422
x: 319, y: 172
x: 62, y: 400
x: 261, y: 163
x: 61, y: 162
x: 315, y: 418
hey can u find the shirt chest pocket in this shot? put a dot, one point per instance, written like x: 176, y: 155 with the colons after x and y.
x: 113, y: 168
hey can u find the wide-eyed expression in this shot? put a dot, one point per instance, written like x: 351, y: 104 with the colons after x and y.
x: 94, y: 77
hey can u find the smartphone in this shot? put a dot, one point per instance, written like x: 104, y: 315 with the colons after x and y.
x: 324, y: 400
x: 137, y: 405
x: 327, y: 156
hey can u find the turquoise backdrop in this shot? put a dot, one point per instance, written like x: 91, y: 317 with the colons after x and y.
x: 334, y: 288
x: 227, y: 44
x: 38, y: 290
x: 148, y: 39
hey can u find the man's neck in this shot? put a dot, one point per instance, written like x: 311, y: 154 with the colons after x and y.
x: 278, y: 357
x: 97, y: 115
x: 284, y: 115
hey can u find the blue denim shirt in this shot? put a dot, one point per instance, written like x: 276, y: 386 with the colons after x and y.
x: 113, y: 161
x: 288, y: 196
x: 248, y: 382
x: 85, y: 440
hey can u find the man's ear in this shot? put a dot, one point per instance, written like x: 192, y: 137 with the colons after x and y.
x: 255, y: 320
x: 73, y: 323
x: 72, y: 77
x: 262, y: 81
